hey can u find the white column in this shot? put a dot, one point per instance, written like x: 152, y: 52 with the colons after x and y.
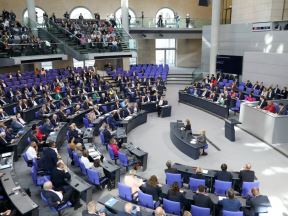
x: 31, y: 15
x: 125, y: 14
x: 216, y: 7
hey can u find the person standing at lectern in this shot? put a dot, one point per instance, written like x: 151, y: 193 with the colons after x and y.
x: 201, y: 139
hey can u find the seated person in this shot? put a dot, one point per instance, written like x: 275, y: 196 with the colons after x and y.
x: 262, y: 103
x: 282, y: 109
x: 113, y: 145
x: 132, y: 181
x: 16, y: 126
x: 174, y: 194
x: 249, y: 98
x: 76, y: 133
x: 258, y: 203
x: 230, y: 204
x: 85, y: 160
x: 76, y: 109
x: 223, y: 175
x: 270, y: 107
x: 198, y: 173
x: 20, y: 119
x: 60, y: 175
x: 97, y: 166
x: 152, y: 187
x: 187, y: 125
x: 49, y: 158
x: 47, y: 127
x: 58, y: 198
x: 129, y: 210
x: 32, y: 151
x: 170, y: 169
x: 159, y: 211
x: 3, y: 114
x: 62, y: 114
x: 54, y: 121
x: 160, y: 103
x: 201, y: 199
x: 92, y: 210
x: 246, y: 174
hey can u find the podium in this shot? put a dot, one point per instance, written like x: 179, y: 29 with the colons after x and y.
x: 229, y: 129
x: 165, y: 111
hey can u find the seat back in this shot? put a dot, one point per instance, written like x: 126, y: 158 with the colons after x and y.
x: 221, y: 187
x: 76, y: 159
x: 230, y: 213
x: 93, y: 176
x: 24, y: 156
x: 125, y: 192
x: 194, y: 183
x: 102, y: 138
x: 199, y: 211
x: 171, y: 207
x: 85, y: 122
x: 111, y: 153
x: 145, y: 200
x: 247, y: 186
x: 172, y: 177
x: 123, y: 159
x: 82, y: 168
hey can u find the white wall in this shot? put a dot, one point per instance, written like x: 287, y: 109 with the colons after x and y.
x: 271, y: 68
x: 236, y: 39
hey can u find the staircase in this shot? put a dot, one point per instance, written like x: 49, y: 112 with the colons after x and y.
x: 183, y: 76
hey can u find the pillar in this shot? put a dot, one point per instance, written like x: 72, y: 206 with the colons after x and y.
x: 31, y: 15
x: 125, y: 14
x: 216, y: 8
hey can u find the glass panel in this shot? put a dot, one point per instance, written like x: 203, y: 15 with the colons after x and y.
x: 170, y: 57
x: 160, y: 56
x: 46, y: 65
x: 89, y: 63
x: 118, y: 15
x: 77, y: 63
x: 39, y: 15
x: 165, y: 43
x: 80, y: 10
x: 133, y: 61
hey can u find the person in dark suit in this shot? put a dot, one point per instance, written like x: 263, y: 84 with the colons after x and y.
x: 57, y: 198
x: 223, y: 175
x: 68, y: 100
x: 174, y: 194
x: 47, y: 127
x: 170, y: 169
x: 128, y: 210
x: 198, y: 173
x: 106, y: 133
x: 62, y: 115
x: 201, y: 199
x: 282, y: 109
x: 262, y: 103
x: 54, y: 121
x: 258, y: 203
x: 152, y: 187
x: 230, y: 204
x: 60, y: 175
x: 49, y: 159
x: 16, y: 125
x: 188, y: 125
x: 75, y: 132
x: 160, y: 103
x: 246, y: 174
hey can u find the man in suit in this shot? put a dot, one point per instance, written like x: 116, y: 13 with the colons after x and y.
x: 16, y: 125
x: 68, y: 100
x: 223, y: 175
x: 129, y: 210
x: 169, y: 167
x: 232, y: 203
x: 92, y: 210
x: 47, y: 127
x: 60, y: 175
x: 201, y: 199
x: 160, y: 103
x: 57, y: 198
x: 49, y: 158
x: 258, y: 203
x: 75, y: 132
x: 282, y: 109
x: 262, y: 103
x: 246, y: 174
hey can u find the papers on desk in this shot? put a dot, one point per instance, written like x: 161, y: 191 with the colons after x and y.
x: 111, y: 202
x: 205, y: 171
x: 128, y: 118
x: 52, y: 133
x: 107, y: 114
x: 221, y: 198
x: 8, y: 154
x: 5, y: 166
x: 193, y: 141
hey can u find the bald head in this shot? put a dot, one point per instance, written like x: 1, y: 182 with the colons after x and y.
x: 128, y: 208
x: 255, y: 191
x: 47, y: 185
x: 159, y: 211
x: 248, y: 166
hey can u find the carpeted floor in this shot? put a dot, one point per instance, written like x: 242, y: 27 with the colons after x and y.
x: 270, y: 166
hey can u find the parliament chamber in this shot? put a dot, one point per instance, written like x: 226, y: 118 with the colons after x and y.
x: 143, y: 108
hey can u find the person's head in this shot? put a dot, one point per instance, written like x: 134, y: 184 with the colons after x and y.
x: 159, y: 211
x: 112, y: 140
x: 79, y: 147
x: 97, y: 163
x: 54, y: 116
x: 270, y: 102
x: 247, y: 166
x: 255, y: 191
x: 60, y: 164
x: 52, y: 144
x: 187, y: 213
x: 231, y: 193
x: 199, y: 170
x: 175, y: 187
x: 91, y: 207
x: 128, y: 207
x: 169, y: 164
x: 188, y: 122
x: 281, y: 105
x: 132, y: 172
x: 203, y: 132
x: 224, y: 167
x: 153, y: 181
x: 85, y: 153
x: 47, y: 185
x: 33, y: 144
x: 201, y: 189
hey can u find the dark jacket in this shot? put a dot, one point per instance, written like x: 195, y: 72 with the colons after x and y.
x: 230, y: 204
x: 258, y: 204
x: 246, y: 176
x: 202, y: 200
x: 223, y: 176
x: 49, y: 160
x: 175, y: 196
x: 59, y: 178
x: 154, y: 191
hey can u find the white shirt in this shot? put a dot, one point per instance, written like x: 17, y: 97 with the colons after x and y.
x: 59, y: 194
x: 86, y: 162
x: 31, y: 153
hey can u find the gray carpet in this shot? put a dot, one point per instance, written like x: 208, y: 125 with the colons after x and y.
x: 270, y: 166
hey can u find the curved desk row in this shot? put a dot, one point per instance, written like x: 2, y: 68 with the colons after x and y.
x: 18, y: 197
x: 182, y: 141
x: 204, y: 104
x: 131, y: 122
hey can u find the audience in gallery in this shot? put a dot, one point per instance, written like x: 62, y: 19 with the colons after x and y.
x: 227, y: 90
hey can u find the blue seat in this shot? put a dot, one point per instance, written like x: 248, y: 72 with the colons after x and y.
x: 194, y: 183
x: 111, y: 154
x: 82, y: 168
x: 24, y: 156
x: 86, y: 123
x: 57, y: 209
x: 94, y: 178
x: 105, y: 108
x: 172, y: 177
x: 76, y: 159
x: 221, y: 187
x: 241, y: 88
x: 230, y: 213
x: 172, y: 207
x: 37, y: 114
x: 38, y: 180
x: 146, y: 200
x: 14, y: 110
x: 103, y: 139
x: 123, y: 159
x: 125, y: 192
x: 199, y: 211
x: 247, y: 186
x: 237, y: 106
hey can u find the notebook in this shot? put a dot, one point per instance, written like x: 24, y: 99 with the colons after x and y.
x: 111, y: 202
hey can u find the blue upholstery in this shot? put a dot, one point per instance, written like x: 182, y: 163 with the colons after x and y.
x: 53, y: 208
x: 94, y: 177
x: 199, y: 211
x: 194, y: 183
x: 146, y: 200
x: 221, y: 187
x: 125, y: 192
x: 247, y: 186
x: 111, y: 154
x: 172, y: 177
x: 172, y: 207
x: 38, y: 180
x: 230, y: 213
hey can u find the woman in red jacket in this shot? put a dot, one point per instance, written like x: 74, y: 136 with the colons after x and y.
x: 113, y: 145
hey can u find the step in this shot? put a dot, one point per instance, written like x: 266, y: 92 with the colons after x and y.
x: 179, y: 78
